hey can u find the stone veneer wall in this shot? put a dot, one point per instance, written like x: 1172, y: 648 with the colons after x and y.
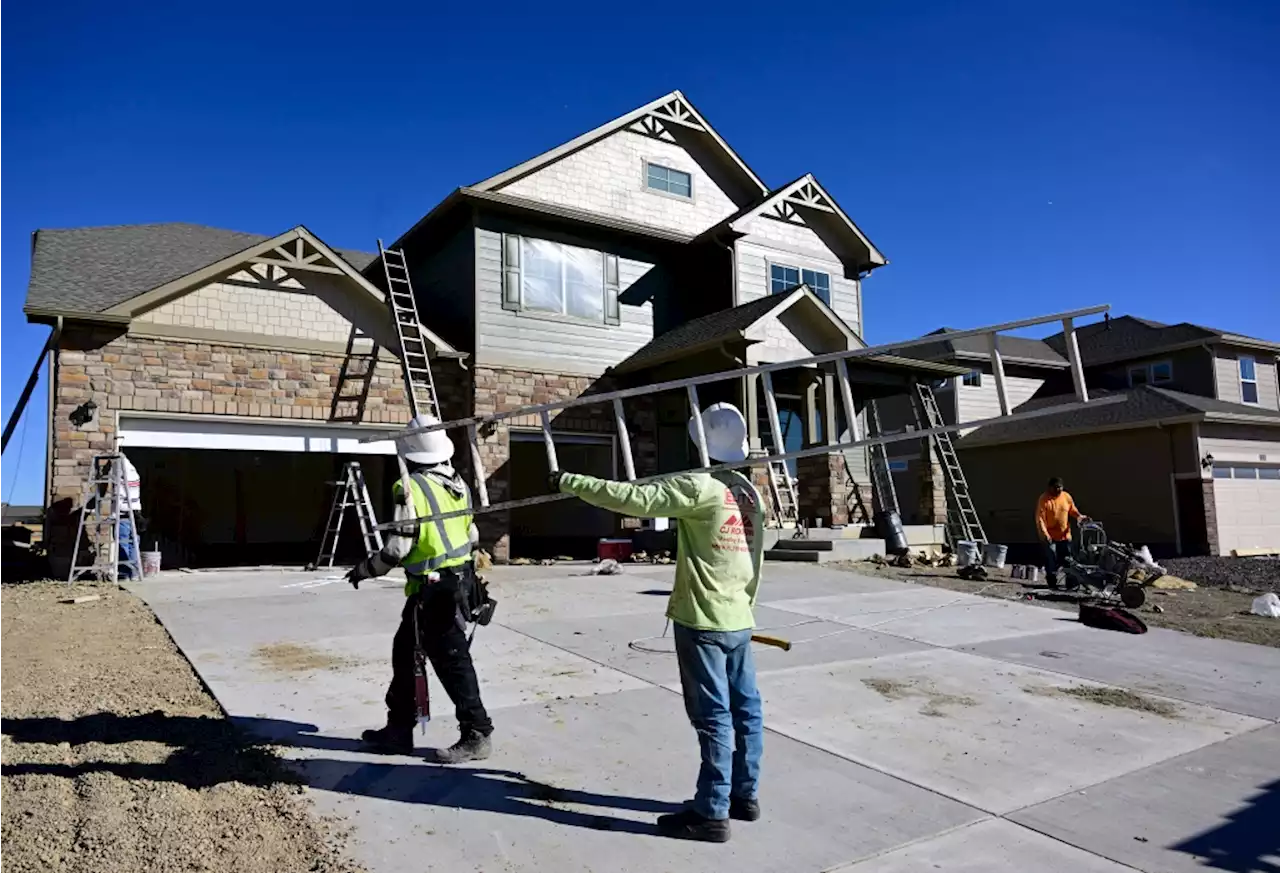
x: 1211, y: 518
x: 933, y: 487
x: 501, y: 389
x: 123, y: 372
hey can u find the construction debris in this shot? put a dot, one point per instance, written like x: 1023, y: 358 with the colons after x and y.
x: 1268, y: 606
x: 484, y: 560
x: 607, y: 567
x: 87, y: 598
x: 1173, y: 583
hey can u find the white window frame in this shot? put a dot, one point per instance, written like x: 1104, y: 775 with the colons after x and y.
x: 800, y: 271
x: 972, y: 379
x: 1149, y: 372
x: 644, y: 180
x: 1257, y: 397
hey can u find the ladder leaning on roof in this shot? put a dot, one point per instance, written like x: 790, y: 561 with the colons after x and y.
x: 414, y: 360
x: 837, y: 360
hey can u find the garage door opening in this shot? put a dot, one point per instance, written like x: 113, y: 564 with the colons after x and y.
x: 214, y: 508
x: 569, y: 528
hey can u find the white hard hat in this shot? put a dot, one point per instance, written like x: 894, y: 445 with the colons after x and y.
x: 726, y: 432
x: 425, y: 448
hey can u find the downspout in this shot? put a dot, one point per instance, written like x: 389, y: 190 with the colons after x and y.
x: 55, y: 355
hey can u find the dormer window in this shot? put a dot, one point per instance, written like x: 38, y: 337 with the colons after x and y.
x: 783, y: 278
x: 668, y: 180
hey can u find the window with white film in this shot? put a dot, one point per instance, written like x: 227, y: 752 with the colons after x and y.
x: 1248, y: 379
x: 550, y: 277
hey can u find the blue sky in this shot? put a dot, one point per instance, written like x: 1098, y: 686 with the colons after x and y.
x: 1009, y: 158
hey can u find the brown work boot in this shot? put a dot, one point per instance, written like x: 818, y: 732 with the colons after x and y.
x: 471, y: 747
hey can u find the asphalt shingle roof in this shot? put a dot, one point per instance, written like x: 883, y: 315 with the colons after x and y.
x: 91, y: 269
x: 1142, y: 405
x: 700, y: 331
x: 1127, y: 336
x: 1012, y: 347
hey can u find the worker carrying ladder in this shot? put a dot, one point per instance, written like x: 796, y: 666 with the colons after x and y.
x: 110, y: 497
x: 836, y: 360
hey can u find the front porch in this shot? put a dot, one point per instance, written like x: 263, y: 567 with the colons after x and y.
x: 833, y: 490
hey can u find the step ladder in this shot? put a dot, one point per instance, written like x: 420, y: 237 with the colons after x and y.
x: 414, y: 359
x: 963, y: 522
x: 104, y: 503
x: 468, y: 429
x: 878, y: 460
x: 786, y: 506
x: 349, y: 491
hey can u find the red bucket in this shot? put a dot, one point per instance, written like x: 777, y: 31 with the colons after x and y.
x: 619, y: 549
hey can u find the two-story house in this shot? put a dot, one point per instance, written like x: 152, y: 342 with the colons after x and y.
x: 239, y: 372
x: 1189, y: 463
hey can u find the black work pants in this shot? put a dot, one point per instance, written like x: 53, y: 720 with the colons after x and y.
x: 444, y: 640
x: 1056, y: 553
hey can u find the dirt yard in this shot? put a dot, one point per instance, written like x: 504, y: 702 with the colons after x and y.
x: 117, y: 760
x: 1219, y: 607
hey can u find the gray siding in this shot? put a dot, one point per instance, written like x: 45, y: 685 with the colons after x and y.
x: 770, y: 241
x: 544, y: 342
x: 1227, y: 367
x: 442, y: 284
x: 982, y: 401
x: 1193, y: 372
x: 607, y: 178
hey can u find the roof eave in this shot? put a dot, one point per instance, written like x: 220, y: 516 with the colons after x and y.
x: 969, y: 442
x: 46, y: 315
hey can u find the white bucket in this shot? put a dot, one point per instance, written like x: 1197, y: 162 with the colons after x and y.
x: 993, y: 555
x: 966, y: 553
x: 150, y: 563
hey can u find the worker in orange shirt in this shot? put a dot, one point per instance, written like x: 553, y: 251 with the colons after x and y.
x: 1054, y: 511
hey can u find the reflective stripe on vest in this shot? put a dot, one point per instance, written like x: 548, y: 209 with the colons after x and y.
x: 452, y: 552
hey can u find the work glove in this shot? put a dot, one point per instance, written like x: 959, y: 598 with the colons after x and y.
x: 359, y: 573
x: 553, y: 481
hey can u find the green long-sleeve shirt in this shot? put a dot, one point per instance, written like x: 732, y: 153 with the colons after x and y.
x: 719, y: 540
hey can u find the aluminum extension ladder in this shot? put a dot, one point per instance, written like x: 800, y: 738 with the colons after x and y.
x: 881, y: 476
x: 349, y: 491
x: 962, y: 518
x: 838, y: 361
x: 414, y: 360
x: 786, y: 505
x: 107, y: 491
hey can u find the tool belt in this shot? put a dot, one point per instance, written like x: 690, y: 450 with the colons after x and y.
x: 470, y: 593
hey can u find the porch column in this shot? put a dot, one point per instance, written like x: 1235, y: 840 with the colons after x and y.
x: 751, y: 409
x: 830, y: 418
x: 812, y: 415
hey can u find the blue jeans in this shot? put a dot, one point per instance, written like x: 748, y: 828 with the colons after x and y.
x: 718, y: 676
x: 128, y: 550
x: 1056, y: 553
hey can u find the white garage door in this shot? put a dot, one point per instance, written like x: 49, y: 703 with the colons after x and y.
x: 197, y: 432
x: 1247, y: 499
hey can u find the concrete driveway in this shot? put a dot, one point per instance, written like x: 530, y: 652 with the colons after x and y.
x: 910, y: 728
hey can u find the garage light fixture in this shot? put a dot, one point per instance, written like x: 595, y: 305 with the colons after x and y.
x: 83, y: 414
x: 1206, y: 462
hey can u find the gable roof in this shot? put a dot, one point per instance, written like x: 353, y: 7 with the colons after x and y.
x: 673, y: 108
x: 728, y: 325
x: 1118, y: 339
x: 1013, y: 349
x: 1144, y: 406
x: 806, y: 200
x: 92, y: 269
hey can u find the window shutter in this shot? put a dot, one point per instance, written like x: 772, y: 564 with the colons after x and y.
x: 511, y: 272
x: 612, y: 309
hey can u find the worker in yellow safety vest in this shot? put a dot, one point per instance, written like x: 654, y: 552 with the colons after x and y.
x: 442, y: 595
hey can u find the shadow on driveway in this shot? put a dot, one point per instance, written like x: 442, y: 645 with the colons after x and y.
x: 211, y: 751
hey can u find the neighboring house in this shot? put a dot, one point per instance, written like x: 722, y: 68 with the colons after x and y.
x: 1187, y: 463
x: 235, y: 371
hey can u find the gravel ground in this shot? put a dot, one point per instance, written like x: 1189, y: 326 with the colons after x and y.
x: 1221, y: 612
x: 117, y: 760
x: 1258, y: 575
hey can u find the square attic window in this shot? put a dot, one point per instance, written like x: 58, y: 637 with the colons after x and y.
x: 668, y: 181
